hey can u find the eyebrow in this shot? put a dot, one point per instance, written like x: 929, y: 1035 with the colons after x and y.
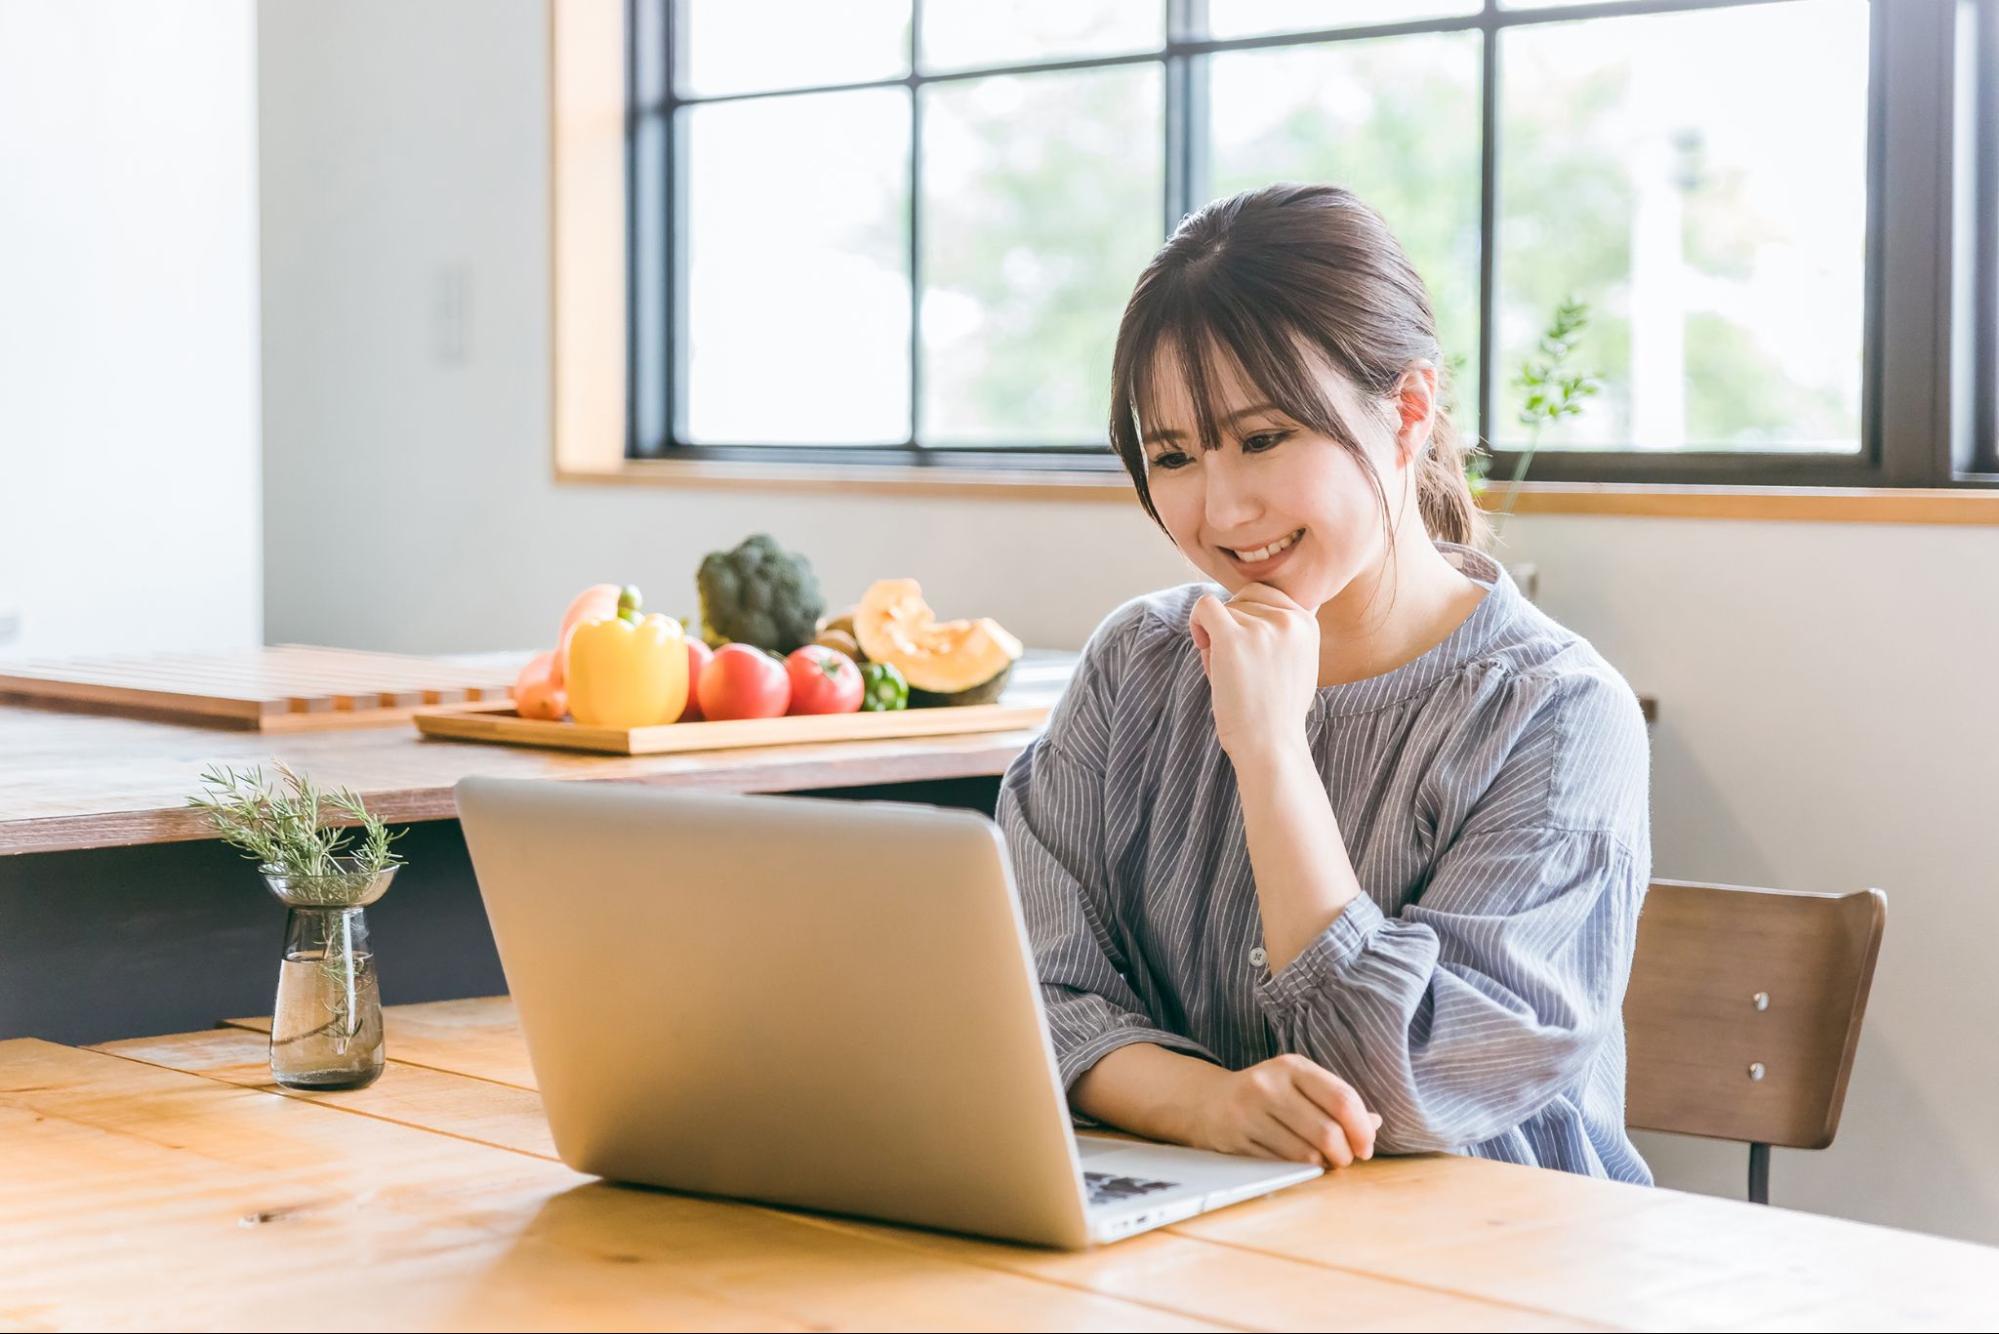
x: 1161, y: 437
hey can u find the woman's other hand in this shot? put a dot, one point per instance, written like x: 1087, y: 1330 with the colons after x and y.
x: 1287, y: 1108
x: 1261, y: 653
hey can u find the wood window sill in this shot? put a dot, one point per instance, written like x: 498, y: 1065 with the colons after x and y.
x: 1804, y: 504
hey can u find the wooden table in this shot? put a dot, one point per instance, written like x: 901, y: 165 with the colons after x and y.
x: 163, y: 1182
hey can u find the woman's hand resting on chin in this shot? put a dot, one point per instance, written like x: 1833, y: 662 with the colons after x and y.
x: 1261, y: 653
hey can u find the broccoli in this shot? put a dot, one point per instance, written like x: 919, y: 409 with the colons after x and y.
x: 759, y: 594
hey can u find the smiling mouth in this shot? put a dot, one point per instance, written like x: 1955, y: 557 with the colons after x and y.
x: 1257, y: 555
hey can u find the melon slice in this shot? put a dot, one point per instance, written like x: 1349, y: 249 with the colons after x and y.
x: 945, y: 662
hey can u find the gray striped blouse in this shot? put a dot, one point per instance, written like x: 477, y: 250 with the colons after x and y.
x: 1493, y: 795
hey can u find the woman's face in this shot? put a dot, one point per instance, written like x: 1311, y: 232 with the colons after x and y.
x: 1277, y: 504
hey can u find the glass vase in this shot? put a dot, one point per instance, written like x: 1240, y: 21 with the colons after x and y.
x: 326, y: 1027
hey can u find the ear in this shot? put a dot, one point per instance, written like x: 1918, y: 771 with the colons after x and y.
x: 1415, y: 399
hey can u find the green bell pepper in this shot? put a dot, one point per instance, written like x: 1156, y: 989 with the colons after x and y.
x: 883, y: 689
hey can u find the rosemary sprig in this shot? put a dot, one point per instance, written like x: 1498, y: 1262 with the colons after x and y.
x: 286, y: 825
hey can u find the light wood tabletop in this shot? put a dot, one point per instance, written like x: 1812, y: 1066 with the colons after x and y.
x: 164, y: 1182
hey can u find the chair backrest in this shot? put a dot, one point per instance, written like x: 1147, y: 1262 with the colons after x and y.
x: 1744, y: 1009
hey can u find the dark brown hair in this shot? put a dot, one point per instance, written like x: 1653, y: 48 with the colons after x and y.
x: 1271, y: 279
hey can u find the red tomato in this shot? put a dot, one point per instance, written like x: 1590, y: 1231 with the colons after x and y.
x: 743, y: 682
x: 823, y: 680
x: 699, y: 655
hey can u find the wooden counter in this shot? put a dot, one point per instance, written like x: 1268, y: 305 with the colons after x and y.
x: 71, y: 780
x: 114, y: 883
x: 163, y: 1183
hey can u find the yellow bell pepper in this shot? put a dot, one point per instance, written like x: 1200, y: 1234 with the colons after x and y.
x: 627, y: 672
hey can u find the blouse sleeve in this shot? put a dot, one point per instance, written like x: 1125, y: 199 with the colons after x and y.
x: 1467, y: 1012
x: 1051, y: 812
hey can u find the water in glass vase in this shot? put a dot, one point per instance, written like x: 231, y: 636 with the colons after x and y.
x: 326, y: 1028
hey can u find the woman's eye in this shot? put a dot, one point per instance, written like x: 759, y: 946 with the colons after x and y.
x: 1171, y: 461
x: 1256, y: 444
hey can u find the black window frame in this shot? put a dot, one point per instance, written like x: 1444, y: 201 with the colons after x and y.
x: 1931, y: 305
x: 1980, y: 110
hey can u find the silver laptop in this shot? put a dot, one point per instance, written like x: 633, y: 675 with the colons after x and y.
x: 824, y: 1004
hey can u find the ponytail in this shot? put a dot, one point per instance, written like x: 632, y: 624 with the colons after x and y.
x: 1443, y: 494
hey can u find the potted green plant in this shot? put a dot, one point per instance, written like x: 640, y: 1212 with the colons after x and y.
x: 1550, y: 389
x: 326, y: 1026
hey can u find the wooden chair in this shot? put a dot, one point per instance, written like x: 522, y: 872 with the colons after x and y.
x: 1743, y: 1012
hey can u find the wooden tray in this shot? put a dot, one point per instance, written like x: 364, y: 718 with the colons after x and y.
x: 501, y: 724
x: 290, y: 687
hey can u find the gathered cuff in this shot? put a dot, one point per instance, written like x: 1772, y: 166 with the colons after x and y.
x: 1330, y: 954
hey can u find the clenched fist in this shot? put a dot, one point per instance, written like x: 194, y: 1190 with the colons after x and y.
x: 1261, y: 652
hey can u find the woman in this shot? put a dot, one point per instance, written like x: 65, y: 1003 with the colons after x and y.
x: 1351, y: 857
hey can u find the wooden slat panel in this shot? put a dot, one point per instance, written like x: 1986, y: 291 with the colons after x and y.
x: 293, y: 681
x: 396, y: 666
x: 1194, y: 1277
x: 112, y: 691
x: 274, y: 687
x: 248, y: 681
x: 234, y: 1208
x: 265, y: 673
x: 351, y: 713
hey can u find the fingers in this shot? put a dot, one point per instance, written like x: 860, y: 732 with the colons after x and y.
x: 1209, y: 618
x: 1337, y: 1099
x: 1264, y: 595
x: 1309, y: 1122
x: 1278, y: 1140
x: 1209, y: 621
x: 1260, y: 604
x: 1214, y: 619
x: 1255, y: 623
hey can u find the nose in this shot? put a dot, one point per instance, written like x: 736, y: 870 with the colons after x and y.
x: 1230, y: 500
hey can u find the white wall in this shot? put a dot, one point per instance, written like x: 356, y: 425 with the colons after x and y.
x: 1822, y: 689
x: 1826, y: 723
x: 408, y: 493
x: 129, y: 511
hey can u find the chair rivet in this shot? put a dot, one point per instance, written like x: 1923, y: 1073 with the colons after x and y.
x: 1761, y: 1000
x: 1756, y: 1069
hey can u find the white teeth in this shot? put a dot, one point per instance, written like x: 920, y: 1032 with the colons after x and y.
x: 1265, y: 553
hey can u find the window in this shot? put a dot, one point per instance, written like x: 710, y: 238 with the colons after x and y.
x: 903, y: 230
x: 1982, y: 40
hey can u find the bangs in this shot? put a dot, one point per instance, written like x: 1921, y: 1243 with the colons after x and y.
x: 1199, y: 327
x: 1298, y: 297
